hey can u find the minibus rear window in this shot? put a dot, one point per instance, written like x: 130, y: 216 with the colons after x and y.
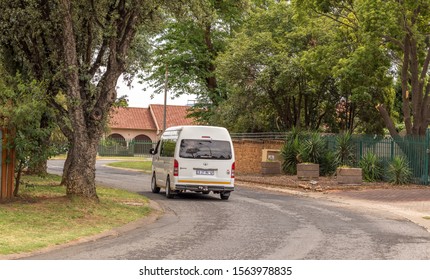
x: 206, y: 149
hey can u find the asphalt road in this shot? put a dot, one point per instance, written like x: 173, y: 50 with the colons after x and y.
x: 252, y: 224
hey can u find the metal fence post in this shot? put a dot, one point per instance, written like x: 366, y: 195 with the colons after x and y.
x: 426, y: 158
x: 392, y: 149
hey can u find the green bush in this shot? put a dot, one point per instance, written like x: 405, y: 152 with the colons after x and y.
x: 313, y: 148
x: 372, y: 167
x: 291, y: 155
x: 306, y: 147
x: 399, y: 172
x: 328, y: 163
x: 345, y: 150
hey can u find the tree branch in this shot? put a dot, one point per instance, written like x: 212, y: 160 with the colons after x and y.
x: 425, y: 65
x: 405, y: 78
x: 105, y: 44
x: 388, y: 121
x: 337, y: 20
x: 394, y: 41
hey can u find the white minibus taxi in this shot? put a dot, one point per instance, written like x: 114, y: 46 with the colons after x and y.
x: 194, y: 158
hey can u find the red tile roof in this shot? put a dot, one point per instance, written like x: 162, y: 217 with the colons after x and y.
x: 175, y: 115
x: 132, y: 118
x: 149, y: 118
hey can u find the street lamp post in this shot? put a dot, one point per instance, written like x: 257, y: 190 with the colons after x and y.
x: 165, y: 98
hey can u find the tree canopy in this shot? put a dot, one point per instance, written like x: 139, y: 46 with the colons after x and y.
x: 77, y: 49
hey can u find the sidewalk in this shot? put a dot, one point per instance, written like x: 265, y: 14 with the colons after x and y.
x: 409, y: 203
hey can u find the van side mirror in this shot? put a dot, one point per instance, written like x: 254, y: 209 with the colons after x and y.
x: 152, y: 151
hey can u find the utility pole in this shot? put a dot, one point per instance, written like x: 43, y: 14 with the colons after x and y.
x: 165, y: 98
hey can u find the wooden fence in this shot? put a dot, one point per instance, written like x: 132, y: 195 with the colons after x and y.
x: 7, y: 170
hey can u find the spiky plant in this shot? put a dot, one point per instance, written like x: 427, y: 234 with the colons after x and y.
x: 399, y: 172
x: 345, y: 149
x: 372, y: 167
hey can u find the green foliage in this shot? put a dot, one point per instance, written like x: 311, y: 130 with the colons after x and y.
x: 291, y: 154
x: 345, y: 150
x: 313, y: 148
x: 328, y: 163
x: 194, y: 33
x: 301, y: 147
x: 399, y: 172
x: 372, y: 167
x: 378, y: 36
x: 25, y: 113
x: 76, y: 51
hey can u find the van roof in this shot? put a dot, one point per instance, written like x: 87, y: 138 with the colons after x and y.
x: 181, y: 127
x: 199, y: 131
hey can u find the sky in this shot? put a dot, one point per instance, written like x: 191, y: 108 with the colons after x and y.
x: 138, y: 97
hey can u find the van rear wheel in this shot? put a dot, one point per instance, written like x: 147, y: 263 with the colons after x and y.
x: 225, y: 195
x: 169, y: 193
x: 154, y: 187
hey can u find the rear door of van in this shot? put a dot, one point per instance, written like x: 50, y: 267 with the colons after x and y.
x: 206, y: 161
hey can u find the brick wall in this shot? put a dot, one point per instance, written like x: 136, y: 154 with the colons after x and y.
x: 249, y: 154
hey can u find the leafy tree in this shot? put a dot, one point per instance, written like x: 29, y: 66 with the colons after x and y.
x: 400, y: 31
x: 77, y: 49
x: 272, y: 59
x: 194, y: 34
x: 357, y: 63
x: 22, y: 110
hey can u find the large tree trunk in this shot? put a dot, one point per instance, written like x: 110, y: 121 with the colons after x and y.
x: 80, y: 173
x: 88, y: 107
x: 414, y: 81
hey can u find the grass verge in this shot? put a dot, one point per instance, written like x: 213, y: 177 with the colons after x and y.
x: 43, y: 216
x: 138, y: 165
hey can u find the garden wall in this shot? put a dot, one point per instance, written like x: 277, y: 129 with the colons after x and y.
x: 249, y: 154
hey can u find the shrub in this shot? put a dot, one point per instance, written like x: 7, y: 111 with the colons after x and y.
x: 345, y: 148
x: 291, y: 154
x: 306, y: 147
x: 372, y: 167
x: 313, y: 149
x: 399, y: 172
x: 328, y: 163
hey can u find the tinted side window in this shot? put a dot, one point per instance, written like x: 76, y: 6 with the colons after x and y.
x: 211, y: 149
x: 167, y: 148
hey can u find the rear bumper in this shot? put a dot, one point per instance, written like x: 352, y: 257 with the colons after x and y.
x: 204, y: 188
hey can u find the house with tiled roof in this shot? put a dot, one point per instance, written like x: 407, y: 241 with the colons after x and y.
x: 145, y: 124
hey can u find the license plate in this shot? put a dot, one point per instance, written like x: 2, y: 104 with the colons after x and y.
x: 205, y: 172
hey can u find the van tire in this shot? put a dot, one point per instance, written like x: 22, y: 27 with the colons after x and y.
x: 225, y: 195
x: 154, y: 187
x: 169, y: 193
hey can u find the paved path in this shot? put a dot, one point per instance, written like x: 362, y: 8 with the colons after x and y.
x: 390, y: 195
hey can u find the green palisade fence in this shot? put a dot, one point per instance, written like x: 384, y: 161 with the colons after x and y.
x: 414, y: 148
x: 124, y: 148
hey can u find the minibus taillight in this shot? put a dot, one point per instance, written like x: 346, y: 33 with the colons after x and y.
x: 233, y: 167
x: 175, y: 168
